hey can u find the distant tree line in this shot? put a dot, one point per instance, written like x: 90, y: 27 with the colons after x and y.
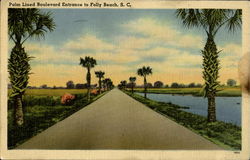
x: 70, y: 85
x: 124, y: 84
x: 180, y: 85
x: 159, y: 84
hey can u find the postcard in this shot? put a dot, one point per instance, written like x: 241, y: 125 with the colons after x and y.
x: 125, y: 79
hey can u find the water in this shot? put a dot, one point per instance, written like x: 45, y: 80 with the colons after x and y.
x: 228, y: 109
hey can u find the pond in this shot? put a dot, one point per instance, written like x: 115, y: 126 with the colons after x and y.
x: 228, y: 109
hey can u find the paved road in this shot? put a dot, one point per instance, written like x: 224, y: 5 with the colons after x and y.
x: 116, y: 121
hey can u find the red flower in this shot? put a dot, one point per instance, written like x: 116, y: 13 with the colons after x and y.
x: 67, y: 98
x: 94, y: 92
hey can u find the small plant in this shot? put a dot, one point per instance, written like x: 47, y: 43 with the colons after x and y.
x: 94, y: 92
x: 67, y: 99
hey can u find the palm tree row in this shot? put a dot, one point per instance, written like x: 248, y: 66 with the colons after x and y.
x: 26, y: 23
x: 144, y: 72
x: 100, y: 75
x: 88, y: 63
x: 107, y: 84
x: 123, y: 84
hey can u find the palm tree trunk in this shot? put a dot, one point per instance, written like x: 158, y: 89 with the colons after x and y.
x: 211, y: 117
x: 100, y: 85
x: 211, y: 74
x: 18, y: 110
x: 88, y: 84
x: 132, y: 88
x: 18, y: 67
x: 145, y: 87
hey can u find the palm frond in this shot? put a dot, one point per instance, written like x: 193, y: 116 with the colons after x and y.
x: 29, y: 22
x: 144, y: 71
x: 88, y: 62
x: 99, y: 74
x: 132, y: 79
x: 235, y: 21
x: 190, y: 17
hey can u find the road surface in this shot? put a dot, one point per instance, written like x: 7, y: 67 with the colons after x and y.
x: 116, y: 121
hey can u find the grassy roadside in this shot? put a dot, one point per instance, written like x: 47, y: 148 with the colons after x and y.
x: 42, y: 112
x: 223, y: 91
x: 226, y: 135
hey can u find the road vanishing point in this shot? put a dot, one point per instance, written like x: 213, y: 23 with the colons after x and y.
x: 117, y: 121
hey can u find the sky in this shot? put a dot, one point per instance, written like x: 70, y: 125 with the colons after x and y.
x: 122, y: 41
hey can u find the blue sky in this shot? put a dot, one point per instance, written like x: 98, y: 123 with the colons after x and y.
x: 122, y: 41
x: 106, y: 23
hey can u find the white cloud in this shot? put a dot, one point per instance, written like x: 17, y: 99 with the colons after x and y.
x: 161, y: 51
x: 132, y: 42
x: 231, y: 50
x: 230, y: 55
x: 163, y: 32
x: 169, y: 63
x: 49, y: 54
x: 90, y: 42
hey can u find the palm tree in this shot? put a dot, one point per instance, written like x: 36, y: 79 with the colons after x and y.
x: 144, y: 71
x: 210, y: 20
x: 109, y: 83
x: 132, y: 81
x: 123, y: 84
x: 88, y: 62
x: 22, y: 25
x: 104, y: 84
x: 100, y: 75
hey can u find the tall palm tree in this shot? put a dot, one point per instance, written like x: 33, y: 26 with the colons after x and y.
x: 22, y: 25
x: 132, y: 81
x: 144, y: 71
x: 100, y: 75
x: 88, y: 62
x: 211, y: 21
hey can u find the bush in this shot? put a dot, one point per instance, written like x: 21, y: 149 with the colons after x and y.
x: 67, y: 99
x: 94, y: 92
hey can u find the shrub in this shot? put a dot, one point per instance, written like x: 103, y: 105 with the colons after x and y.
x: 94, y: 92
x: 67, y: 99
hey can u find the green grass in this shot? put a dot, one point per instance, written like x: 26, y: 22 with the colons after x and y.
x: 52, y: 92
x: 41, y: 112
x: 223, y: 91
x: 226, y: 135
